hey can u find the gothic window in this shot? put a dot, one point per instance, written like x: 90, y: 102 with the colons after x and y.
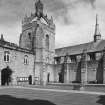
x: 26, y: 62
x: 73, y: 58
x: 92, y: 56
x: 58, y: 60
x: 6, y: 56
x: 47, y: 42
x: 29, y: 35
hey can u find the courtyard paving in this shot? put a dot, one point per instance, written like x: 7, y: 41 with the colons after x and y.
x: 18, y: 95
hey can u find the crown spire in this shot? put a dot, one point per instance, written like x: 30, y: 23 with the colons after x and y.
x: 39, y: 9
x: 97, y: 35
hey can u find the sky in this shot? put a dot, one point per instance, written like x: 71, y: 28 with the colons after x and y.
x: 74, y: 19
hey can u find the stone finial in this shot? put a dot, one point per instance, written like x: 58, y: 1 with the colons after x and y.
x: 51, y: 18
x: 39, y: 8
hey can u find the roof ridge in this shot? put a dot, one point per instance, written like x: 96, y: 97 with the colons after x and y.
x: 74, y: 45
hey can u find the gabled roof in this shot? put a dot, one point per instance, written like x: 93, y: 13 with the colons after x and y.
x: 78, y: 49
x: 13, y: 46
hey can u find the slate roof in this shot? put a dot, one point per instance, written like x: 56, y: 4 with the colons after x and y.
x: 13, y: 46
x: 78, y: 49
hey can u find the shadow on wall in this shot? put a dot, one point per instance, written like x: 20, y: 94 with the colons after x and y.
x: 9, y: 100
x: 101, y: 100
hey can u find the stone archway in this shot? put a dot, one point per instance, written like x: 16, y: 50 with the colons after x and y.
x: 6, y: 76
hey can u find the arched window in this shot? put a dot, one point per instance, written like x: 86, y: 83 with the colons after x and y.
x: 26, y: 62
x: 6, y: 56
x: 47, y: 42
x: 29, y: 35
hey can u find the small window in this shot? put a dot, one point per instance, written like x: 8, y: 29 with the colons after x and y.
x: 6, y: 56
x: 29, y: 35
x: 26, y: 62
x: 47, y: 42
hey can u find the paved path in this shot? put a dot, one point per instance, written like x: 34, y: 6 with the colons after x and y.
x: 56, y: 90
x: 19, y: 95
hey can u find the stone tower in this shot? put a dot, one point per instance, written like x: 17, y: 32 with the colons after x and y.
x: 38, y: 35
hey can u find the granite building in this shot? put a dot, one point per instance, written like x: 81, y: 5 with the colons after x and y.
x: 82, y: 63
x: 34, y: 57
x: 36, y: 61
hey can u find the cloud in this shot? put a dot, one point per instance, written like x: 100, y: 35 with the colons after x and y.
x: 61, y: 8
x: 89, y: 2
x: 13, y: 10
x: 74, y: 19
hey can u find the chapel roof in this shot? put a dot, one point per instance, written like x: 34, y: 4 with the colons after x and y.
x: 78, y: 49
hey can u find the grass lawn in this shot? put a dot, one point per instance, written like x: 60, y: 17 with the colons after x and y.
x: 12, y: 96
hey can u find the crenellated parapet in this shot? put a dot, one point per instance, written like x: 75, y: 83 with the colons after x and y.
x: 36, y: 16
x: 28, y: 19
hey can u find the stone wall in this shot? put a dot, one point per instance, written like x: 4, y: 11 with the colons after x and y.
x: 16, y: 63
x: 94, y: 71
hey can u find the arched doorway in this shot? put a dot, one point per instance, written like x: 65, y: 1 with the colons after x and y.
x: 61, y: 77
x: 48, y: 77
x: 30, y: 79
x: 6, y: 76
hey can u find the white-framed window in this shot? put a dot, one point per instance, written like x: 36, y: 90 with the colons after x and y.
x: 26, y: 61
x: 6, y: 56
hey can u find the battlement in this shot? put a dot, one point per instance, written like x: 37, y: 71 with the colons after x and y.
x: 36, y: 16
